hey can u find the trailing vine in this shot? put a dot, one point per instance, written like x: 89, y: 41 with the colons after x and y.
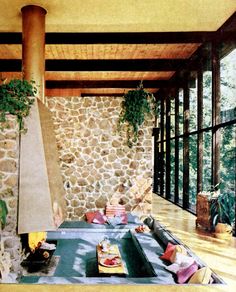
x: 15, y: 100
x: 136, y: 105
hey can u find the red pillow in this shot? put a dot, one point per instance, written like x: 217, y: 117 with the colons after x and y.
x: 90, y: 216
x: 98, y: 218
x: 168, y: 252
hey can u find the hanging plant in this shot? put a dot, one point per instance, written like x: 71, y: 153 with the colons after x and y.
x: 136, y: 105
x: 15, y: 100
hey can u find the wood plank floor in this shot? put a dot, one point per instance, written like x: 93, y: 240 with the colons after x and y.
x: 219, y: 255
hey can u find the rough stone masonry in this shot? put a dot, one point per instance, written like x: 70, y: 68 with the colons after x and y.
x: 96, y: 163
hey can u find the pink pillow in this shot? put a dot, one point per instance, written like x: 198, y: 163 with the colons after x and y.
x: 184, y: 274
x: 114, y: 210
x: 124, y: 219
x: 168, y: 252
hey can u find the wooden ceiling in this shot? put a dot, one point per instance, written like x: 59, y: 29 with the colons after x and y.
x: 110, y: 63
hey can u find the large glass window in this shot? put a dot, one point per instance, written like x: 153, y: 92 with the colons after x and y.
x: 207, y: 99
x: 180, y: 181
x: 181, y: 111
x: 172, y: 118
x: 228, y: 114
x: 172, y: 169
x: 211, y: 146
x: 207, y: 150
x: 192, y: 171
x: 193, y: 104
x: 228, y: 159
x: 228, y: 87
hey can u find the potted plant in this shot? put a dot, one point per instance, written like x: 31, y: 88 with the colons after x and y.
x: 136, y: 105
x: 15, y: 100
x: 222, y: 214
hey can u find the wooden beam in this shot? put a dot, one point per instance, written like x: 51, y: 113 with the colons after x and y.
x: 103, y: 94
x: 229, y: 25
x: 122, y: 38
x: 105, y: 83
x: 115, y: 65
x: 14, y: 65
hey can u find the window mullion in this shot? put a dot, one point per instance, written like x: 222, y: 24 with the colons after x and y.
x: 186, y: 144
x: 177, y: 146
x: 199, y: 128
x: 215, y: 114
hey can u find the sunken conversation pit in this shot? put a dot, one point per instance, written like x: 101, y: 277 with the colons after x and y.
x: 77, y: 255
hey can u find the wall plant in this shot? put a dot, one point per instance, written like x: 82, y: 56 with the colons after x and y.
x: 15, y: 99
x: 137, y: 104
x: 3, y: 213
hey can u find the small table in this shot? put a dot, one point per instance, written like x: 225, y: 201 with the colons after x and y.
x: 113, y: 251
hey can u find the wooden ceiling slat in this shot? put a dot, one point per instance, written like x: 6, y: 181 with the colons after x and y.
x: 110, y: 51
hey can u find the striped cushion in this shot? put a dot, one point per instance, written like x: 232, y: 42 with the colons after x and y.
x: 114, y: 210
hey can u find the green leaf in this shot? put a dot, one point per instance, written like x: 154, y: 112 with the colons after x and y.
x: 14, y: 100
x: 135, y: 106
x: 3, y: 212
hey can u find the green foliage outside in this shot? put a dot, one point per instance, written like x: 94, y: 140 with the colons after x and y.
x: 227, y: 144
x: 15, y: 100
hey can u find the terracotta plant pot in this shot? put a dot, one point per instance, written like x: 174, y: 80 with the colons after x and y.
x: 223, y: 231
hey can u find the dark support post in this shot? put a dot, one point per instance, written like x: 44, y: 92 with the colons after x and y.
x: 168, y: 196
x: 162, y: 166
x: 199, y: 127
x: 156, y: 166
x: 186, y: 144
x: 215, y: 114
x: 177, y: 146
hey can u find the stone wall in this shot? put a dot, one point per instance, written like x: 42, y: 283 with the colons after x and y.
x: 9, y: 163
x: 96, y: 163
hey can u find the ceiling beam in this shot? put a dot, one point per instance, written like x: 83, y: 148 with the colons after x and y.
x: 105, y: 84
x: 115, y: 65
x: 101, y: 65
x: 123, y: 37
x: 13, y: 65
x: 102, y: 94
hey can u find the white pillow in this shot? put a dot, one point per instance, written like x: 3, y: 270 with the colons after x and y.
x: 173, y: 268
x: 183, y: 261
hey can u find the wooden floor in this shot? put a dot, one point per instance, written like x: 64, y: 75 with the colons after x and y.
x: 219, y: 255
